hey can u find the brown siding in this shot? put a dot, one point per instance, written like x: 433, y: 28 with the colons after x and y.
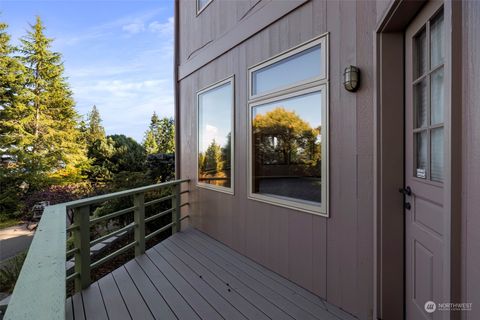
x: 471, y: 157
x: 333, y: 257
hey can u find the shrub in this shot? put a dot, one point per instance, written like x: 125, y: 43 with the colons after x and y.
x: 10, y: 271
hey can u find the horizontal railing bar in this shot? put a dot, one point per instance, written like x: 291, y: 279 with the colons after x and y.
x: 158, y: 215
x: 149, y: 203
x: 184, y: 191
x: 127, y: 227
x: 112, y: 215
x: 113, y: 255
x: 72, y: 276
x: 185, y: 217
x: 154, y: 233
x: 72, y: 227
x: 105, y: 197
x: 69, y: 252
x: 184, y: 204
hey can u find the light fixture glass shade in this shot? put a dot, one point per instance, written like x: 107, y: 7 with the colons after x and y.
x: 351, y: 78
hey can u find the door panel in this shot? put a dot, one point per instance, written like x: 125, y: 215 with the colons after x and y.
x: 424, y: 158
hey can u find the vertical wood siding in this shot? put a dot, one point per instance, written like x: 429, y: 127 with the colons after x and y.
x: 471, y: 158
x: 332, y: 257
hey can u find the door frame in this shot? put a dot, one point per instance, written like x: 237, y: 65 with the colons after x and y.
x: 389, y: 106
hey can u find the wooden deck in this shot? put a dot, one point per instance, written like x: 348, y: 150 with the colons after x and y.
x: 192, y: 276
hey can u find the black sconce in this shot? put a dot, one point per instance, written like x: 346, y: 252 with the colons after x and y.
x: 351, y: 78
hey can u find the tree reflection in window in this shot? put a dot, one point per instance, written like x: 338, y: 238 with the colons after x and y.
x: 215, y: 107
x: 287, y: 148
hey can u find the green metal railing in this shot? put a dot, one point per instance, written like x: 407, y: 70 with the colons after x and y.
x: 40, y: 291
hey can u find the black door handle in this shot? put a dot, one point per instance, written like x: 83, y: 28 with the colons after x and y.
x: 406, y: 191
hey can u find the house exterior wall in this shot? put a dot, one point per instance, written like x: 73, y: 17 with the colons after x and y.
x: 310, y: 250
x: 471, y: 157
x: 333, y: 257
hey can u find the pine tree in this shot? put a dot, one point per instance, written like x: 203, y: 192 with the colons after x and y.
x: 165, y: 135
x: 150, y: 143
x: 43, y: 131
x: 11, y: 94
x: 160, y: 136
x: 11, y: 73
x: 94, y: 128
x: 150, y: 140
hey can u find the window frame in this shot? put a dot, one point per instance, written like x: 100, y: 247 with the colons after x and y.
x: 318, y: 84
x: 321, y: 40
x: 230, y: 79
x: 200, y: 10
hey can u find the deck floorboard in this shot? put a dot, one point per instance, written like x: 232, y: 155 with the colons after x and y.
x: 192, y: 276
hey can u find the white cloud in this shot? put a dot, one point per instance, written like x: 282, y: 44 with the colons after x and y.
x: 211, y: 129
x: 126, y: 106
x: 134, y: 28
x: 165, y: 28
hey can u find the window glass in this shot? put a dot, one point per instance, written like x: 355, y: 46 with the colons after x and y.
x: 303, y: 66
x: 436, y: 41
x: 201, y: 4
x: 287, y: 148
x: 421, y: 53
x: 215, y: 109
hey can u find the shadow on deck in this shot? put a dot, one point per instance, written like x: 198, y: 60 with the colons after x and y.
x: 192, y: 276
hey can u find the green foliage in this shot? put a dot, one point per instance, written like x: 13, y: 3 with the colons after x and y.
x: 129, y: 155
x: 12, y: 78
x: 150, y: 143
x: 40, y: 128
x: 213, y: 158
x: 160, y: 136
x: 94, y: 130
x: 10, y: 271
x: 282, y: 136
x: 46, y: 148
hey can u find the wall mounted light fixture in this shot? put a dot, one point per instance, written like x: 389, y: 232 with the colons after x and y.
x: 351, y: 78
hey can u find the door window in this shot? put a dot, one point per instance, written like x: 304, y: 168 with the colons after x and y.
x: 428, y: 100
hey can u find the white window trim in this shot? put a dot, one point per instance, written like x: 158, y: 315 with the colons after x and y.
x: 322, y: 40
x: 231, y: 80
x: 297, y: 89
x: 197, y: 5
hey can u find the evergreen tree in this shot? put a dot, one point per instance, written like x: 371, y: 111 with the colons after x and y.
x: 94, y: 128
x: 160, y: 136
x: 150, y: 143
x: 213, y: 158
x: 42, y: 132
x: 165, y: 135
x: 12, y: 82
x: 11, y: 74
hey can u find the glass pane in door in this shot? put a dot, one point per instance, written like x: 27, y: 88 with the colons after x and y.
x: 421, y: 150
x: 421, y: 104
x: 437, y: 154
x: 420, y: 53
x: 436, y: 97
x: 436, y: 41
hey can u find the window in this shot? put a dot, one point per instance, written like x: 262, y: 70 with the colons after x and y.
x: 202, y: 4
x: 428, y: 101
x: 288, y: 135
x: 215, y: 110
x: 302, y: 65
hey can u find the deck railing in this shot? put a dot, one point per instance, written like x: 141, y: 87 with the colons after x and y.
x: 40, y: 291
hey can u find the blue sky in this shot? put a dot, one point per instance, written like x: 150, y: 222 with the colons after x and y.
x: 118, y: 54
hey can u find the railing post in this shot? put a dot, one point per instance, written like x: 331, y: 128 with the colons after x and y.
x: 139, y: 218
x: 81, y: 237
x: 176, y: 209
